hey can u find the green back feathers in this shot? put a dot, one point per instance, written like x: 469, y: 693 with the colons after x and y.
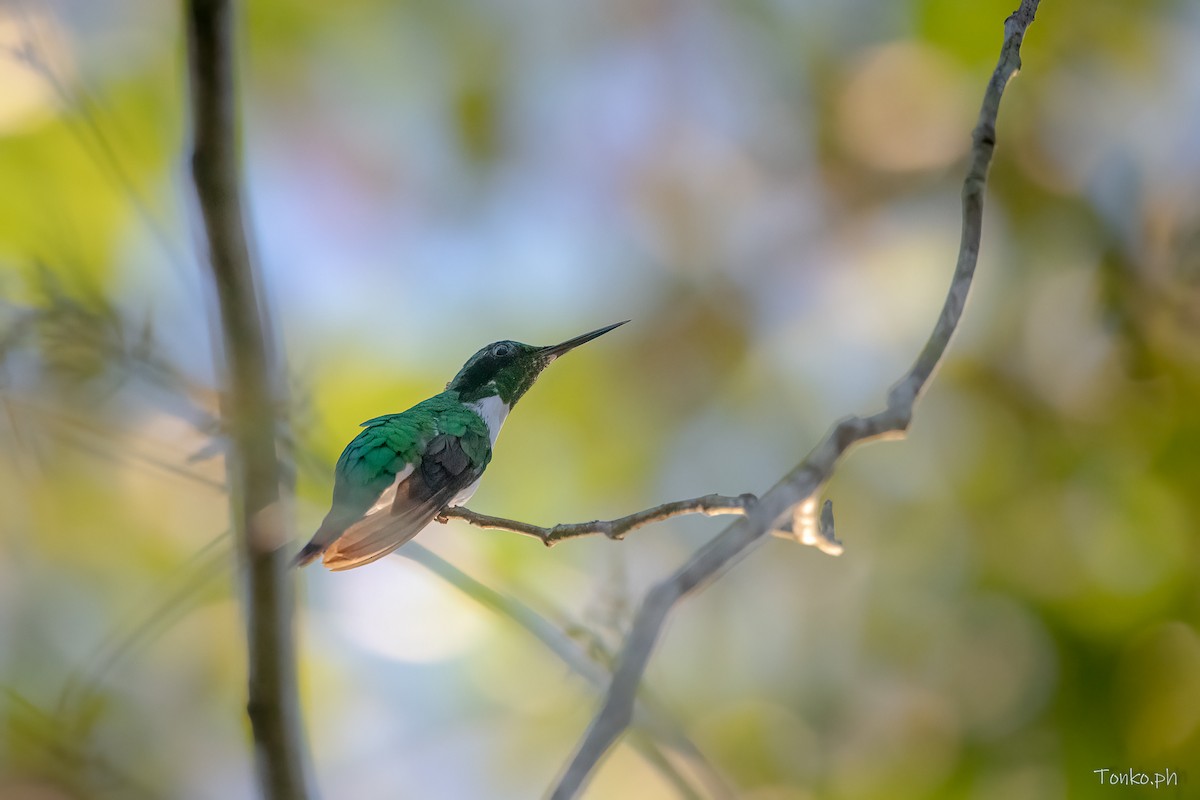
x: 389, y: 443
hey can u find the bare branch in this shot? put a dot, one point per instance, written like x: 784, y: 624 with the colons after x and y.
x: 711, y: 505
x: 806, y: 479
x: 247, y: 406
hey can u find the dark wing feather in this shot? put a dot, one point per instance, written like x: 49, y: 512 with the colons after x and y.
x: 365, y: 470
x: 444, y: 471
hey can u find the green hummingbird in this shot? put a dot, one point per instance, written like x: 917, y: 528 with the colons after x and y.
x: 404, y: 469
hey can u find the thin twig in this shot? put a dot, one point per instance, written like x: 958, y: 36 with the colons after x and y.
x: 711, y: 505
x: 248, y: 407
x: 807, y: 478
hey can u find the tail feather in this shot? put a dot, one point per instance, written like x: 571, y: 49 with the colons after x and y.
x: 331, y: 528
x: 375, y: 536
x: 311, y: 552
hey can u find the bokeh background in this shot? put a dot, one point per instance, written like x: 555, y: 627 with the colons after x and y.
x: 769, y: 190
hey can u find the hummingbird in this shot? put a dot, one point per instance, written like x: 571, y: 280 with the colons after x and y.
x: 402, y: 470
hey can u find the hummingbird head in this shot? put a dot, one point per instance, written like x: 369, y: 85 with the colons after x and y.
x: 507, y: 369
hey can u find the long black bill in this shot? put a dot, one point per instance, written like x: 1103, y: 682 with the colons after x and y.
x: 556, y: 350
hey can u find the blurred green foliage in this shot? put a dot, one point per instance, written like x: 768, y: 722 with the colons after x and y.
x: 769, y: 190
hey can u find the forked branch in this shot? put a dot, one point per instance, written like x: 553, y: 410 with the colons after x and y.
x: 796, y: 493
x: 806, y: 527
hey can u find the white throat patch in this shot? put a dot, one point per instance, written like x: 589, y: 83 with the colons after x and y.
x: 494, y: 411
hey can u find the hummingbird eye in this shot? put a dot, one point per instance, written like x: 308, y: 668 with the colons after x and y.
x: 502, y: 350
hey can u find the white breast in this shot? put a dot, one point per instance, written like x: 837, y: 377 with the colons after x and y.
x: 465, y: 495
x: 494, y: 411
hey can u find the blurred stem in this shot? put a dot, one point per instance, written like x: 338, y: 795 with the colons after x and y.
x: 247, y: 406
x: 656, y: 723
x: 799, y: 487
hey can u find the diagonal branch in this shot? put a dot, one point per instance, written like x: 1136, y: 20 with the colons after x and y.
x: 656, y: 723
x: 247, y: 405
x: 797, y: 490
